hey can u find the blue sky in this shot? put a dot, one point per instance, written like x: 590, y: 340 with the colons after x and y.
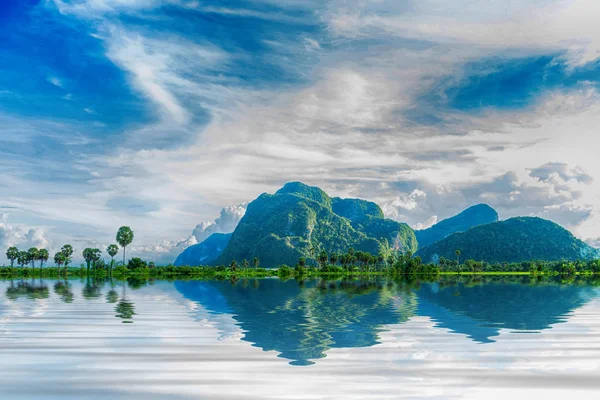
x: 170, y: 115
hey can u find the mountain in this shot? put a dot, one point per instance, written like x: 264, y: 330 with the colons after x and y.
x: 205, y: 252
x: 282, y: 227
x: 473, y: 216
x: 514, y: 240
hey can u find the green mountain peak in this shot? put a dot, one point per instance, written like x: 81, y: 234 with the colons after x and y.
x: 301, y: 220
x: 513, y: 240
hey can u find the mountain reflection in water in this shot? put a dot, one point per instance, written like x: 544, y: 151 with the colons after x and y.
x: 301, y: 320
x: 451, y: 338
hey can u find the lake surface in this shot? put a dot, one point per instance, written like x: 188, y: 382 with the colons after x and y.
x: 510, y: 337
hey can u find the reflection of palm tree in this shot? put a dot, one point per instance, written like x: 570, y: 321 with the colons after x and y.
x: 37, y: 292
x: 63, y: 290
x: 125, y: 309
x: 112, y: 296
x: 12, y: 292
x: 91, y: 290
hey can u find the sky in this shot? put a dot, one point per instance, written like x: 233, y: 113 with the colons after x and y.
x: 170, y: 116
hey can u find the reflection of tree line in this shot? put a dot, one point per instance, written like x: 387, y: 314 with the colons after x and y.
x: 92, y: 289
x: 29, y: 290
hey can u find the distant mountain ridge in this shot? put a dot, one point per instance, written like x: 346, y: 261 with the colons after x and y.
x: 204, y: 252
x: 300, y: 220
x: 514, y: 240
x: 473, y: 216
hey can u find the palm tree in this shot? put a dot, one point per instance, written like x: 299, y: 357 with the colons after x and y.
x: 255, y: 262
x: 457, y: 252
x: 32, y: 255
x: 124, y: 238
x: 333, y: 258
x: 43, y: 256
x: 323, y: 257
x: 90, y: 255
x: 59, y: 259
x: 112, y: 251
x: 12, y: 254
x: 245, y: 264
x: 22, y: 258
x: 67, y: 251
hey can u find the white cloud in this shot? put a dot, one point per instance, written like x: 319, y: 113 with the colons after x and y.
x: 55, y: 81
x: 167, y: 250
x: 427, y: 224
x: 530, y: 24
x: 97, y: 8
x: 404, y: 203
x: 226, y: 223
x: 21, y: 238
x: 149, y: 70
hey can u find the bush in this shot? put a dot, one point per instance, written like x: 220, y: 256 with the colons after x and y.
x: 284, y: 271
x: 137, y: 263
x: 300, y: 270
x: 121, y: 270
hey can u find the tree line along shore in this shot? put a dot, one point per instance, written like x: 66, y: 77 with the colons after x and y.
x: 350, y: 263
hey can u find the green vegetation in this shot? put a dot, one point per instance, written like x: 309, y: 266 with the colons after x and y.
x: 514, y: 240
x: 350, y: 264
x: 362, y: 265
x: 535, y: 267
x: 301, y: 221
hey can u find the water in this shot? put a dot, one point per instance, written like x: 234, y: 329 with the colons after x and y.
x: 256, y: 339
